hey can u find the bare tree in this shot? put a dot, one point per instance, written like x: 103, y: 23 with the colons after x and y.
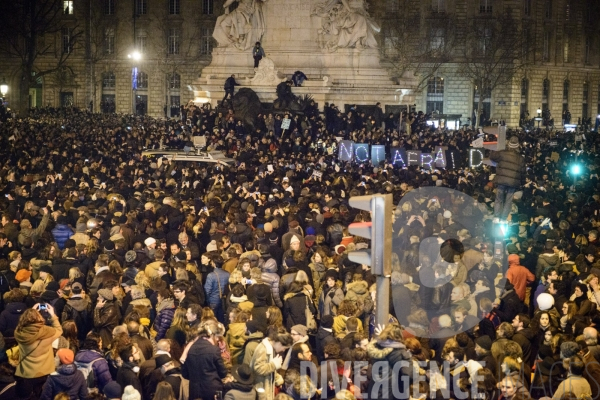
x: 102, y: 52
x: 495, y: 50
x: 35, y: 29
x: 417, y: 43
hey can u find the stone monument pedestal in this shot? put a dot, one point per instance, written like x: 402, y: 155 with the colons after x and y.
x: 293, y: 40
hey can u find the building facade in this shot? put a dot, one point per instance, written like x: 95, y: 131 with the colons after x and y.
x: 174, y: 40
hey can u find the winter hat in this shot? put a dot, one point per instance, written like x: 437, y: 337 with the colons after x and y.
x: 130, y: 256
x: 53, y: 286
x: 80, y: 227
x: 109, y: 246
x: 262, y: 292
x: 294, y: 239
x: 162, y: 360
x: 472, y: 368
x: 310, y: 231
x: 112, y: 390
x: 301, y: 329
x: 23, y: 275
x: 212, y: 246
x: 320, y: 218
x: 327, y: 321
x: 70, y: 243
x: 330, y: 273
x: 106, y: 294
x: 149, y: 241
x: 268, y: 228
x: 65, y: 356
x: 340, y: 248
x: 447, y: 214
x: 252, y: 326
x: 512, y: 249
x: 484, y: 342
x: 131, y: 394
x: 47, y: 269
x: 513, y: 142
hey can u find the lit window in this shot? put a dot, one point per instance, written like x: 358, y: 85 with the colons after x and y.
x: 68, y: 7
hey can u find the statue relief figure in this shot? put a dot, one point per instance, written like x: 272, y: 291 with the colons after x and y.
x: 344, y: 24
x: 242, y: 26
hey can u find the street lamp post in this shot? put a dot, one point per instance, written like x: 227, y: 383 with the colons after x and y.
x: 135, y: 56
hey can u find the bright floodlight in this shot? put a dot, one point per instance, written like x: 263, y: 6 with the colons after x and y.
x: 576, y: 169
x: 136, y: 55
x: 3, y: 88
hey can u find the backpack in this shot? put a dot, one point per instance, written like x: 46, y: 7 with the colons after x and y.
x: 88, y: 372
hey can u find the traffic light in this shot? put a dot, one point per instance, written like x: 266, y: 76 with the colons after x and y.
x: 379, y: 257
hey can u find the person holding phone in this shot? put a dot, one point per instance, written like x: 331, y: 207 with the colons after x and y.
x: 34, y: 336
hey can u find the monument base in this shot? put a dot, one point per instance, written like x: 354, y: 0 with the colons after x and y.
x: 347, y: 76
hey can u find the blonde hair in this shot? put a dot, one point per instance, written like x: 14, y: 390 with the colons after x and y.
x: 37, y: 287
x: 74, y: 273
x: 137, y: 292
x: 142, y: 280
x: 235, y: 276
x: 194, y: 269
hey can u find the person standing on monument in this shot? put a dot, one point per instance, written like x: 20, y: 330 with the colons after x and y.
x: 229, y: 87
x: 510, y: 172
x: 258, y: 53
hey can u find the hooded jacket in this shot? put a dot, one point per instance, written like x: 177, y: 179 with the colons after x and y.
x: 357, y: 291
x: 68, y: 379
x: 524, y: 338
x: 392, y: 352
x: 34, y: 234
x: 236, y: 338
x: 294, y: 308
x: 81, y: 311
x: 165, y: 311
x: 9, y: 318
x: 35, y: 349
x: 100, y: 367
x: 518, y: 275
x: 270, y: 277
x: 545, y: 261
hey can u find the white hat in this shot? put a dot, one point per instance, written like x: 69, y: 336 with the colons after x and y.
x: 131, y: 394
x: 447, y: 214
x: 294, y: 239
x: 212, y: 246
x: 545, y: 301
x: 149, y: 242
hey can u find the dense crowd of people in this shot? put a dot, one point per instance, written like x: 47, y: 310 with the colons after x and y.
x: 128, y: 277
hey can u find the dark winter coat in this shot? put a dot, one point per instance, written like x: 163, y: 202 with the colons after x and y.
x: 524, y: 338
x: 323, y: 338
x: 100, y: 367
x: 392, y: 352
x: 510, y: 168
x: 126, y: 376
x: 294, y: 309
x: 61, y: 268
x: 81, y: 311
x: 9, y: 318
x: 67, y: 378
x: 205, y: 369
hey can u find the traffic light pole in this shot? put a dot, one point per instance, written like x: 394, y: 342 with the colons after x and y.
x: 380, y: 255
